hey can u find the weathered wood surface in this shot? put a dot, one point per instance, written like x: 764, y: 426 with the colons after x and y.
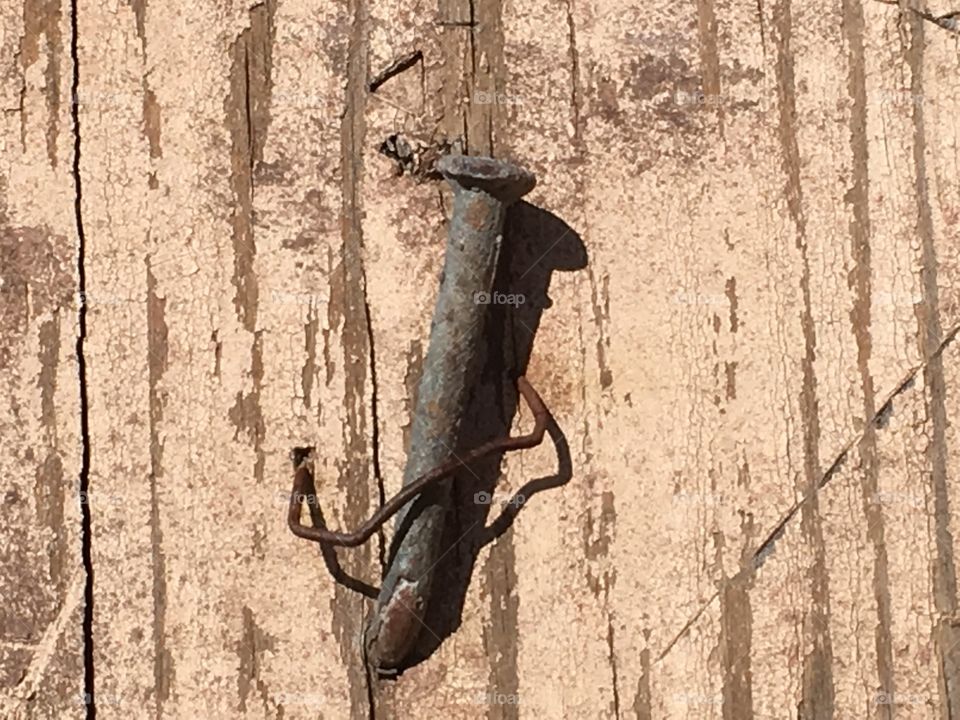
x: 42, y: 579
x: 740, y: 264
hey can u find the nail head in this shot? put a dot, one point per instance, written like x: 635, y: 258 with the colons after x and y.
x: 503, y: 180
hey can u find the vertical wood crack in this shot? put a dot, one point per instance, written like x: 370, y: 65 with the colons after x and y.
x: 84, y: 479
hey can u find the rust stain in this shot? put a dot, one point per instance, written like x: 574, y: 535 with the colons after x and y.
x: 477, y: 215
x: 253, y: 643
x: 247, y: 109
x: 157, y: 359
x: 41, y: 19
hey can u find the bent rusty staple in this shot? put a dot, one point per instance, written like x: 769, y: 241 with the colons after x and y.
x: 302, y: 475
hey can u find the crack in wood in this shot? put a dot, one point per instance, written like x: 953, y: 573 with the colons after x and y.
x: 399, y: 65
x: 767, y: 547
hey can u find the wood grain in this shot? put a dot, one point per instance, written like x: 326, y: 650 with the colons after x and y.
x: 744, y: 234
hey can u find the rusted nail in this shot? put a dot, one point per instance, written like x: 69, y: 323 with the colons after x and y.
x: 483, y: 188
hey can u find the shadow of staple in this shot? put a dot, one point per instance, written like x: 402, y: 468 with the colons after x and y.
x: 536, y: 243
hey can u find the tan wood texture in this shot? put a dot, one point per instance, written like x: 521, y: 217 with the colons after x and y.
x: 740, y: 282
x: 42, y: 579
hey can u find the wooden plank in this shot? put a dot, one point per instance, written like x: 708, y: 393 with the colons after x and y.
x: 742, y: 239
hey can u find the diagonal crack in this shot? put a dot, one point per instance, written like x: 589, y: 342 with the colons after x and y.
x: 949, y: 21
x: 768, y: 545
x: 399, y: 65
x: 877, y: 421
